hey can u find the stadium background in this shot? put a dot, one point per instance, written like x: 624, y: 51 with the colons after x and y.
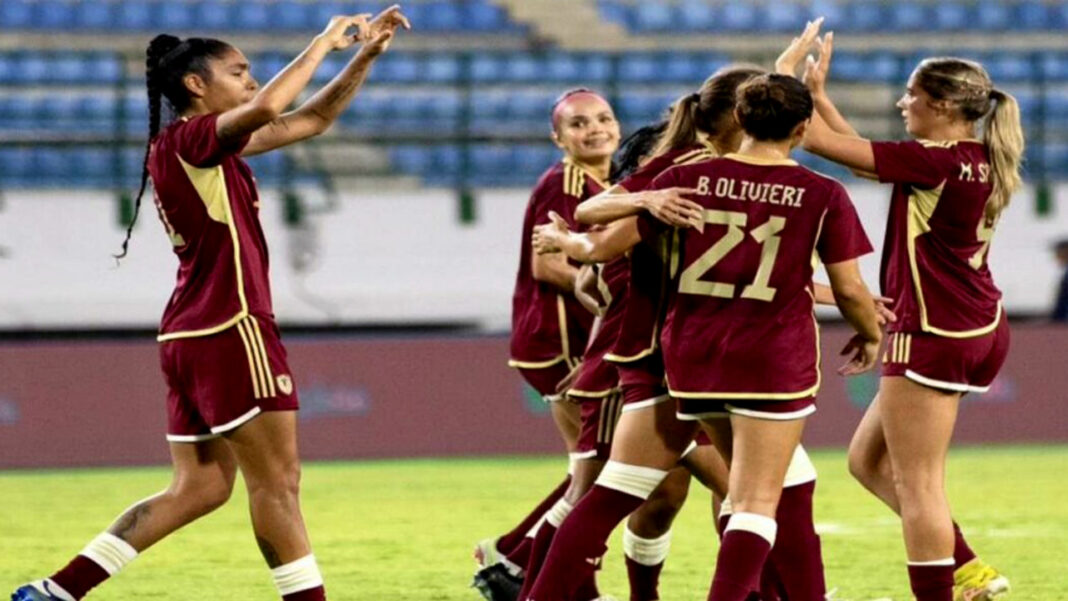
x: 394, y: 237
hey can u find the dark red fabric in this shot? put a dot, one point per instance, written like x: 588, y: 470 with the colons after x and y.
x: 644, y: 580
x: 738, y: 566
x: 962, y: 553
x: 79, y: 576
x: 931, y: 583
x: 510, y: 540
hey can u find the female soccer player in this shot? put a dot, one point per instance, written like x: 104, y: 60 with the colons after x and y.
x: 232, y: 402
x: 952, y: 336
x: 773, y: 310
x: 550, y: 326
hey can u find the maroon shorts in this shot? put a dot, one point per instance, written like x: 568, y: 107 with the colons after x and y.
x: 596, y: 378
x: 598, y: 426
x: 950, y: 364
x: 694, y: 409
x: 545, y: 379
x: 218, y: 382
x: 642, y: 382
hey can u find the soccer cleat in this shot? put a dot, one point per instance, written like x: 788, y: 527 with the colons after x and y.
x: 37, y: 591
x: 978, y: 581
x: 486, y: 552
x: 496, y: 583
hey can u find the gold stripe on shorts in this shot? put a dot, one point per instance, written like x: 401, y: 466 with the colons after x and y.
x: 908, y: 348
x: 272, y: 391
x: 256, y: 390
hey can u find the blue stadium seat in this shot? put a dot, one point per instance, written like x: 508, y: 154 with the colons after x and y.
x: 16, y: 14
x: 696, y: 15
x: 291, y: 15
x: 867, y: 16
x: 211, y: 15
x: 614, y: 12
x: 486, y: 68
x: 874, y: 67
x: 1004, y: 67
x: 442, y: 16
x: 400, y: 67
x: 1035, y: 15
x: 739, y: 15
x: 783, y: 16
x: 639, y: 67
x: 952, y: 16
x: 523, y: 68
x: 488, y: 160
x: 911, y: 16
x: 252, y: 17
x: 653, y: 17
x: 1055, y: 65
x: 440, y: 68
x: 16, y: 165
x: 534, y: 158
x: 482, y: 16
x: 175, y: 15
x: 560, y: 66
x: 31, y: 68
x: 638, y: 109
x: 94, y: 14
x: 96, y: 112
x: 835, y: 14
x: 137, y: 16
x: 994, y: 15
x: 23, y: 110
x: 54, y: 14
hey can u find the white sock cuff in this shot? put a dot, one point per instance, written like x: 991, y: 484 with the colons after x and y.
x: 725, y: 508
x: 634, y: 480
x: 933, y: 563
x: 801, y: 470
x: 572, y: 461
x: 646, y: 551
x: 49, y: 587
x: 296, y: 576
x: 558, y: 513
x: 761, y: 525
x: 109, y: 552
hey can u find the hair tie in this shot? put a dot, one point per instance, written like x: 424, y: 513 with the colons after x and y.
x: 695, y: 97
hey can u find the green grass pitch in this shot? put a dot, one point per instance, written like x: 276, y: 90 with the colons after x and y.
x: 404, y: 530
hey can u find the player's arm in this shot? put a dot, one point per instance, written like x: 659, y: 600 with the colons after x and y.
x: 829, y: 134
x: 858, y: 307
x: 555, y: 270
x: 598, y: 246
x: 235, y: 124
x: 824, y: 295
x: 319, y: 112
x: 667, y: 205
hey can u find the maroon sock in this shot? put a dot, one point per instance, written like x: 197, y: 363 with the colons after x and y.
x: 644, y: 580
x: 510, y: 540
x: 741, y: 558
x: 770, y: 584
x: 543, y: 541
x: 962, y: 553
x: 579, y: 544
x: 932, y: 583
x: 797, y: 558
x: 587, y: 590
x: 312, y: 594
x: 79, y: 576
x: 721, y: 524
x: 520, y: 556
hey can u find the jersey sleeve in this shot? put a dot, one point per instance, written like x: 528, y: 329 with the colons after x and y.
x: 650, y: 228
x: 842, y: 236
x: 199, y: 144
x: 909, y: 162
x: 550, y: 196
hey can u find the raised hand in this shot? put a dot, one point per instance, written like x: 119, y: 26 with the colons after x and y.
x: 883, y: 311
x: 337, y: 34
x: 816, y: 70
x: 799, y: 47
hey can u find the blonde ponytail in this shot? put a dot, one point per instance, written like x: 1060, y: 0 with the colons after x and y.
x: 1003, y: 137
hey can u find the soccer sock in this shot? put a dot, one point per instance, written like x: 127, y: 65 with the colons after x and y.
x: 645, y: 559
x: 746, y: 545
x: 508, y: 542
x: 299, y: 580
x: 579, y: 544
x: 932, y: 580
x: 101, y: 559
x: 543, y: 541
x: 796, y: 558
x: 517, y: 560
x: 962, y: 553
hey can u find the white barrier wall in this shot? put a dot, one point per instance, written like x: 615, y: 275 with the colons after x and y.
x: 389, y: 257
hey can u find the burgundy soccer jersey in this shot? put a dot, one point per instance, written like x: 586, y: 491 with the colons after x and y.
x: 598, y: 378
x: 645, y: 297
x: 207, y: 200
x: 549, y: 325
x: 741, y: 324
x: 934, y: 262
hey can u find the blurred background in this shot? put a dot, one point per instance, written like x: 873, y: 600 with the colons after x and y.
x: 395, y: 236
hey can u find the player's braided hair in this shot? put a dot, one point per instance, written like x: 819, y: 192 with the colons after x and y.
x: 167, y: 61
x: 771, y: 106
x: 709, y: 110
x: 967, y: 87
x: 634, y: 149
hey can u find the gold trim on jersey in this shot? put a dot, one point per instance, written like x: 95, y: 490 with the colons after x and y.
x: 565, y: 343
x: 921, y: 206
x: 741, y: 158
x: 210, y: 184
x: 535, y: 364
x: 669, y: 255
x: 946, y: 143
x: 579, y: 172
x: 694, y: 156
x: 263, y: 382
x: 591, y: 394
x: 602, y: 287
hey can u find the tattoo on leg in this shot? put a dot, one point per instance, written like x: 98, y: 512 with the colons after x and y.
x: 129, y: 521
x: 269, y: 553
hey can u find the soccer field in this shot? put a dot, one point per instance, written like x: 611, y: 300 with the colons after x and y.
x: 403, y: 530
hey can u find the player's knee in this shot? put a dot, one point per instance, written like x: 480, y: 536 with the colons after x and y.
x: 659, y: 510
x: 203, y: 495
x: 919, y: 486
x: 280, y: 480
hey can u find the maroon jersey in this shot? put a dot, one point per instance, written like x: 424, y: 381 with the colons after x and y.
x: 646, y: 294
x: 937, y: 237
x: 206, y: 197
x: 549, y: 325
x: 741, y: 325
x: 598, y: 378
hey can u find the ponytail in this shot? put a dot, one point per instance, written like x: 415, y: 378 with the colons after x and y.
x: 1003, y: 137
x: 681, y: 130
